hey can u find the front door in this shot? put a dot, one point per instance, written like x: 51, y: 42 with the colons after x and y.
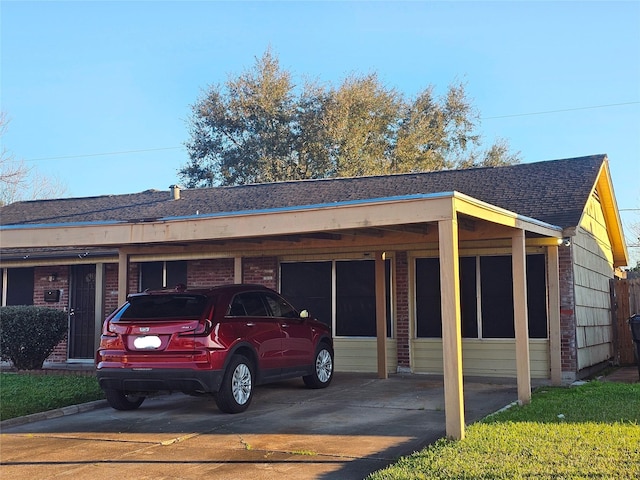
x: 82, y: 312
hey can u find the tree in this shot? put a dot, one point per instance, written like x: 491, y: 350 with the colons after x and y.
x: 251, y: 130
x: 436, y: 133
x: 19, y: 182
x: 262, y: 127
x: 361, y: 119
x: 497, y: 155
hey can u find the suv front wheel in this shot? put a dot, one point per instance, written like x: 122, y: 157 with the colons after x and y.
x: 236, y: 390
x: 322, y: 368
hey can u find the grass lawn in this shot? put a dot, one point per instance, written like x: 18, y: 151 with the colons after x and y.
x: 23, y: 393
x: 586, y: 432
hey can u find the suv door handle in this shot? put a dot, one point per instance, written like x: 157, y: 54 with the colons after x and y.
x: 251, y: 324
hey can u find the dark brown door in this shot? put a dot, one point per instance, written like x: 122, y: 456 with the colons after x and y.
x: 82, y: 312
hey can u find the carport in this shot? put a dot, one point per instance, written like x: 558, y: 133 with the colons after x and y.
x: 440, y: 222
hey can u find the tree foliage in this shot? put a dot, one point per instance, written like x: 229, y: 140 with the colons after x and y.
x: 263, y: 127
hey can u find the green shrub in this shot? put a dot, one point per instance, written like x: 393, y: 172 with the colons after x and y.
x: 29, y: 334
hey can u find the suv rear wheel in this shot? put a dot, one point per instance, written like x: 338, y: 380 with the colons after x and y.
x: 121, y: 400
x: 322, y: 368
x: 236, y: 390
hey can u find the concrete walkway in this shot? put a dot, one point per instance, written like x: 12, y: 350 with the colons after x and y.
x: 358, y: 425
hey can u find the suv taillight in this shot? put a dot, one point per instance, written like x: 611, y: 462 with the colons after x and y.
x: 203, y: 328
x: 109, y: 329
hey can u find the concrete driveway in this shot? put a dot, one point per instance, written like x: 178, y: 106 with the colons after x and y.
x: 356, y: 426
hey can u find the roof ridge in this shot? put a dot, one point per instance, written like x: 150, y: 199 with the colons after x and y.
x: 553, y: 191
x: 389, y: 175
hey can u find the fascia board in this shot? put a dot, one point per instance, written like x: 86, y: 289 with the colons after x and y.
x: 604, y: 184
x: 485, y: 211
x: 245, y: 224
x: 386, y: 211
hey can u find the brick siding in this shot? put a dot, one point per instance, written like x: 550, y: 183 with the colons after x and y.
x: 567, y: 312
x: 41, y: 284
x: 401, y: 294
x: 261, y: 270
x: 110, y: 288
x: 210, y: 273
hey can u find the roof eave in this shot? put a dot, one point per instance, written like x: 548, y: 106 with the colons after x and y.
x: 279, y: 221
x: 604, y: 185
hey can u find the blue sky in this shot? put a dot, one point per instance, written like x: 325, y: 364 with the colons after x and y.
x: 84, y: 81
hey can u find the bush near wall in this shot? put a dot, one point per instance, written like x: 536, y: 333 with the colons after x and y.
x: 29, y: 334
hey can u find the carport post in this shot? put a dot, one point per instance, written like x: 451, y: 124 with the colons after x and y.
x: 451, y: 328
x: 381, y: 315
x: 520, y: 316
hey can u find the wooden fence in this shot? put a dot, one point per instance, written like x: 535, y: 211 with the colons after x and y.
x: 626, y: 299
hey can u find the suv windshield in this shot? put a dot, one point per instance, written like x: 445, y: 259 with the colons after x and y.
x: 164, y: 306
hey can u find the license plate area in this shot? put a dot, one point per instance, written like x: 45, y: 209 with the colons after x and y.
x: 147, y: 342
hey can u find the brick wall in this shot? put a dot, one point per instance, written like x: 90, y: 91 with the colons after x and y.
x: 134, y: 278
x: 210, y: 273
x: 261, y: 270
x: 567, y: 313
x: 41, y: 284
x: 402, y: 308
x: 110, y: 288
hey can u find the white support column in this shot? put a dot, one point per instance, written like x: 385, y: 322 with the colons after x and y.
x: 4, y: 286
x: 123, y: 276
x: 381, y: 315
x: 555, y: 348
x: 451, y: 328
x: 520, y: 317
x: 237, y: 270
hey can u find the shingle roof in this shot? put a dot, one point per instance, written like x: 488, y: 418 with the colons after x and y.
x: 554, y: 192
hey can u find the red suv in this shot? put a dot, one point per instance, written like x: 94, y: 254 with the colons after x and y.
x: 221, y: 341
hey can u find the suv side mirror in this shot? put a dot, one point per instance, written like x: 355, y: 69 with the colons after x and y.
x: 304, y: 314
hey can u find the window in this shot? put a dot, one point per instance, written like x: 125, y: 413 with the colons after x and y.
x: 496, y: 285
x: 279, y: 307
x: 537, y: 296
x: 493, y: 294
x: 428, y: 307
x: 355, y: 299
x: 20, y: 286
x: 469, y: 305
x: 248, y: 304
x: 340, y: 293
x: 156, y: 275
x: 308, y: 286
x: 164, y: 306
